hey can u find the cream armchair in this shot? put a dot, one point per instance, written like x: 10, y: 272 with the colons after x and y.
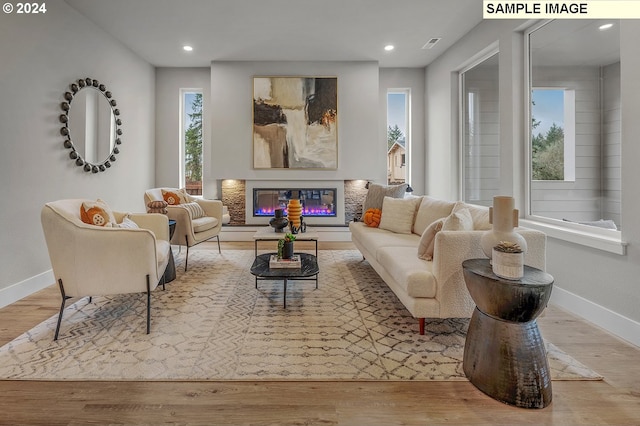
x: 190, y: 229
x: 90, y: 260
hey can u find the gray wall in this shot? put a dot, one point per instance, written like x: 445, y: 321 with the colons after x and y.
x: 40, y: 56
x: 600, y: 286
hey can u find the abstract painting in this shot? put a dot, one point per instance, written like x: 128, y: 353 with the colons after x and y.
x: 295, y: 123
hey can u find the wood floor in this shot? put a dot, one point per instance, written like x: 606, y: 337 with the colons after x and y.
x: 614, y: 401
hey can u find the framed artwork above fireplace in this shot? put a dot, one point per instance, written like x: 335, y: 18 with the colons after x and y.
x: 295, y: 123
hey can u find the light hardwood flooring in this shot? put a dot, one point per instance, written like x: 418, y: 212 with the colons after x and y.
x: 613, y: 401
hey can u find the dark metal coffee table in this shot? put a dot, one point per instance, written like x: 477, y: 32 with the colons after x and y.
x: 307, y: 272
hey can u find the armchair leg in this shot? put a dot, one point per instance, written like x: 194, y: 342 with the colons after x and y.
x: 148, y: 305
x: 186, y: 256
x: 64, y: 300
x: 218, y: 238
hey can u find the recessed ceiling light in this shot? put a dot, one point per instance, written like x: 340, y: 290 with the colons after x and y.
x: 187, y: 48
x: 605, y: 27
x: 389, y: 47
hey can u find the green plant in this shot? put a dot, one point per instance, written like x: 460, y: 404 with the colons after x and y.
x: 508, y: 247
x: 288, y: 237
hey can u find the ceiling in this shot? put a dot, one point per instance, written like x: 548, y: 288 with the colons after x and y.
x: 283, y: 30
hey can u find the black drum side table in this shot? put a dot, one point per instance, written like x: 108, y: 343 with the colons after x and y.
x: 504, y: 354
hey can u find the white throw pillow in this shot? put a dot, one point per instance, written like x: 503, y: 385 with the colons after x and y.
x: 480, y: 215
x: 458, y: 221
x: 127, y: 223
x: 398, y: 214
x: 428, y: 240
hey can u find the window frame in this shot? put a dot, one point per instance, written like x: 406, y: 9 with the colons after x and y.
x: 407, y: 137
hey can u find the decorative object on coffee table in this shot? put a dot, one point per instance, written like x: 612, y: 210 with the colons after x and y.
x: 504, y: 353
x: 294, y: 212
x: 285, y: 246
x: 278, y: 222
x: 504, y: 217
x: 508, y: 261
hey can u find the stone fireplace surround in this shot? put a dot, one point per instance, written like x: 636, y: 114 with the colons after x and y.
x: 237, y: 195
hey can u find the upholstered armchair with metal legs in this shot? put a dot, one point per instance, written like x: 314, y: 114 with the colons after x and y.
x: 91, y: 260
x: 197, y: 220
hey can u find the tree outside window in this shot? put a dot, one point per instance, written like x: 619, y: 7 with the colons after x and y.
x: 193, y: 144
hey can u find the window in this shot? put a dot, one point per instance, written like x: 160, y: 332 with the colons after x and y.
x: 191, y: 140
x: 398, y: 131
x: 574, y: 171
x: 553, y: 124
x: 480, y: 130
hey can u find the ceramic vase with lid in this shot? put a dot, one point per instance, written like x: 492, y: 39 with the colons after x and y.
x: 278, y: 222
x: 503, y: 217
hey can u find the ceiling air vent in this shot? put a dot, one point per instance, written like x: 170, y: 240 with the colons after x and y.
x: 432, y: 42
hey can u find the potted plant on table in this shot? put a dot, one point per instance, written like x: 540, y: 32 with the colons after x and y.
x: 285, y: 246
x: 507, y: 260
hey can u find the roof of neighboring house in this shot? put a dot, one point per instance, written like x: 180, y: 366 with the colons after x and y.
x: 391, y: 145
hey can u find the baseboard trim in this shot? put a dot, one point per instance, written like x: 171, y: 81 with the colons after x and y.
x: 24, y: 288
x: 621, y: 326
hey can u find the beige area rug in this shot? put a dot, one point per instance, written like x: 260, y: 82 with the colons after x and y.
x: 211, y: 323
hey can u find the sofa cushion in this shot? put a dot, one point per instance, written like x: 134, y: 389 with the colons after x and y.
x: 413, y: 274
x: 428, y: 240
x: 374, y: 238
x: 398, y: 214
x: 429, y: 211
x: 376, y: 194
x: 204, y: 223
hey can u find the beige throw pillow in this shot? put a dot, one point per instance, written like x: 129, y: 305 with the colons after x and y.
x: 195, y: 210
x: 398, y: 214
x: 458, y: 221
x: 428, y: 240
x: 430, y: 210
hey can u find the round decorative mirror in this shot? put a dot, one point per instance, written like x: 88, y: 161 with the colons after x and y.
x: 91, y: 125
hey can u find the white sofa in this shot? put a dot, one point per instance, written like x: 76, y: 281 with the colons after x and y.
x: 436, y: 288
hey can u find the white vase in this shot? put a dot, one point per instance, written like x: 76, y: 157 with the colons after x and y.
x: 504, y: 218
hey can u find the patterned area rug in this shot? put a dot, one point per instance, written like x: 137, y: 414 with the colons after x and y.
x: 211, y: 323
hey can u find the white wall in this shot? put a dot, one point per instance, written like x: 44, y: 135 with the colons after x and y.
x: 414, y: 80
x: 361, y: 153
x: 40, y: 56
x: 600, y: 286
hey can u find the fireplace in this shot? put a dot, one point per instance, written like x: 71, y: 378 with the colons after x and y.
x: 323, y: 200
x: 316, y: 202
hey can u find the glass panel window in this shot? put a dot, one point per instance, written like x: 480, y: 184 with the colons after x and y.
x: 480, y: 129
x: 192, y: 141
x: 398, y: 101
x: 574, y: 169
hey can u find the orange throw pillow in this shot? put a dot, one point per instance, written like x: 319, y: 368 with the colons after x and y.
x: 96, y: 213
x: 173, y: 198
x: 372, y: 217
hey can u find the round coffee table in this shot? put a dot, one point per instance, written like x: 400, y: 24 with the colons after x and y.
x: 307, y: 272
x: 504, y: 354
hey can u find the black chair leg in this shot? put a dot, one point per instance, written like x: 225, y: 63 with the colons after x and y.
x: 219, y: 251
x: 186, y: 256
x: 64, y: 301
x: 148, y: 305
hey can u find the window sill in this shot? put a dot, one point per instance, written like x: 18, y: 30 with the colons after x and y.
x: 601, y: 239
